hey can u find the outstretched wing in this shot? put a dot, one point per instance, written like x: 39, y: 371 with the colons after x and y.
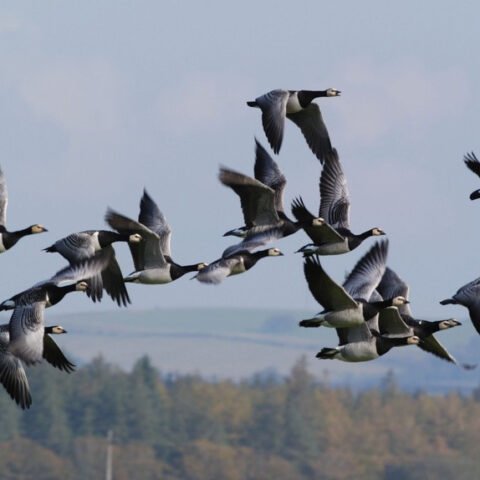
x: 311, y: 123
x: 325, y: 291
x: 334, y: 196
x: 367, y: 273
x: 267, y: 171
x: 257, y: 200
x: 53, y: 355
x: 274, y: 108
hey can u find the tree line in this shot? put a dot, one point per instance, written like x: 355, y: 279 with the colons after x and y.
x: 174, y: 427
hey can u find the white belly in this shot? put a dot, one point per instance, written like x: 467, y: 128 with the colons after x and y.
x: 155, y: 276
x: 344, y: 318
x: 358, y: 352
x: 293, y: 105
x: 336, y: 248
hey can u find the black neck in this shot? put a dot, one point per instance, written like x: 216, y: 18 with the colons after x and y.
x: 366, y: 234
x: 55, y: 294
x: 105, y: 237
x: 305, y: 97
x: 23, y: 233
x: 179, y: 270
x: 355, y: 240
x: 260, y: 254
x: 370, y: 309
x: 9, y: 239
x: 384, y: 344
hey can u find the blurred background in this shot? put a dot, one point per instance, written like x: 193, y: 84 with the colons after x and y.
x: 102, y: 100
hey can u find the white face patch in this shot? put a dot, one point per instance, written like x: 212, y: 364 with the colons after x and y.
x: 332, y: 92
x: 398, y: 301
x: 135, y: 238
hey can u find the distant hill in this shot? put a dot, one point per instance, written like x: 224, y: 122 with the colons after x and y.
x: 235, y: 343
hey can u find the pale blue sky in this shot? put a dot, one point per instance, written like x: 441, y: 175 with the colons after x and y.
x: 100, y: 99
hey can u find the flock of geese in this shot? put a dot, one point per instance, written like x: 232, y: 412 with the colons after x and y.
x: 370, y: 311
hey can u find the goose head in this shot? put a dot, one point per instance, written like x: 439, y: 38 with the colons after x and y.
x: 81, y: 286
x: 333, y: 92
x: 450, y: 323
x: 201, y: 265
x: 377, y: 231
x: 135, y: 238
x: 399, y: 301
x: 318, y: 222
x: 37, y: 228
x: 413, y: 340
x: 274, y: 252
x: 57, y: 329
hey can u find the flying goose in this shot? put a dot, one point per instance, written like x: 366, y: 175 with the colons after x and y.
x: 234, y: 264
x: 26, y: 326
x: 361, y: 344
x: 267, y: 172
x: 83, y: 245
x: 12, y: 372
x: 298, y: 107
x: 152, y: 257
x: 334, y: 237
x: 469, y: 297
x: 392, y: 285
x: 473, y: 164
x: 69, y: 279
x: 26, y: 339
x: 9, y: 239
x: 350, y: 305
x: 261, y: 199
